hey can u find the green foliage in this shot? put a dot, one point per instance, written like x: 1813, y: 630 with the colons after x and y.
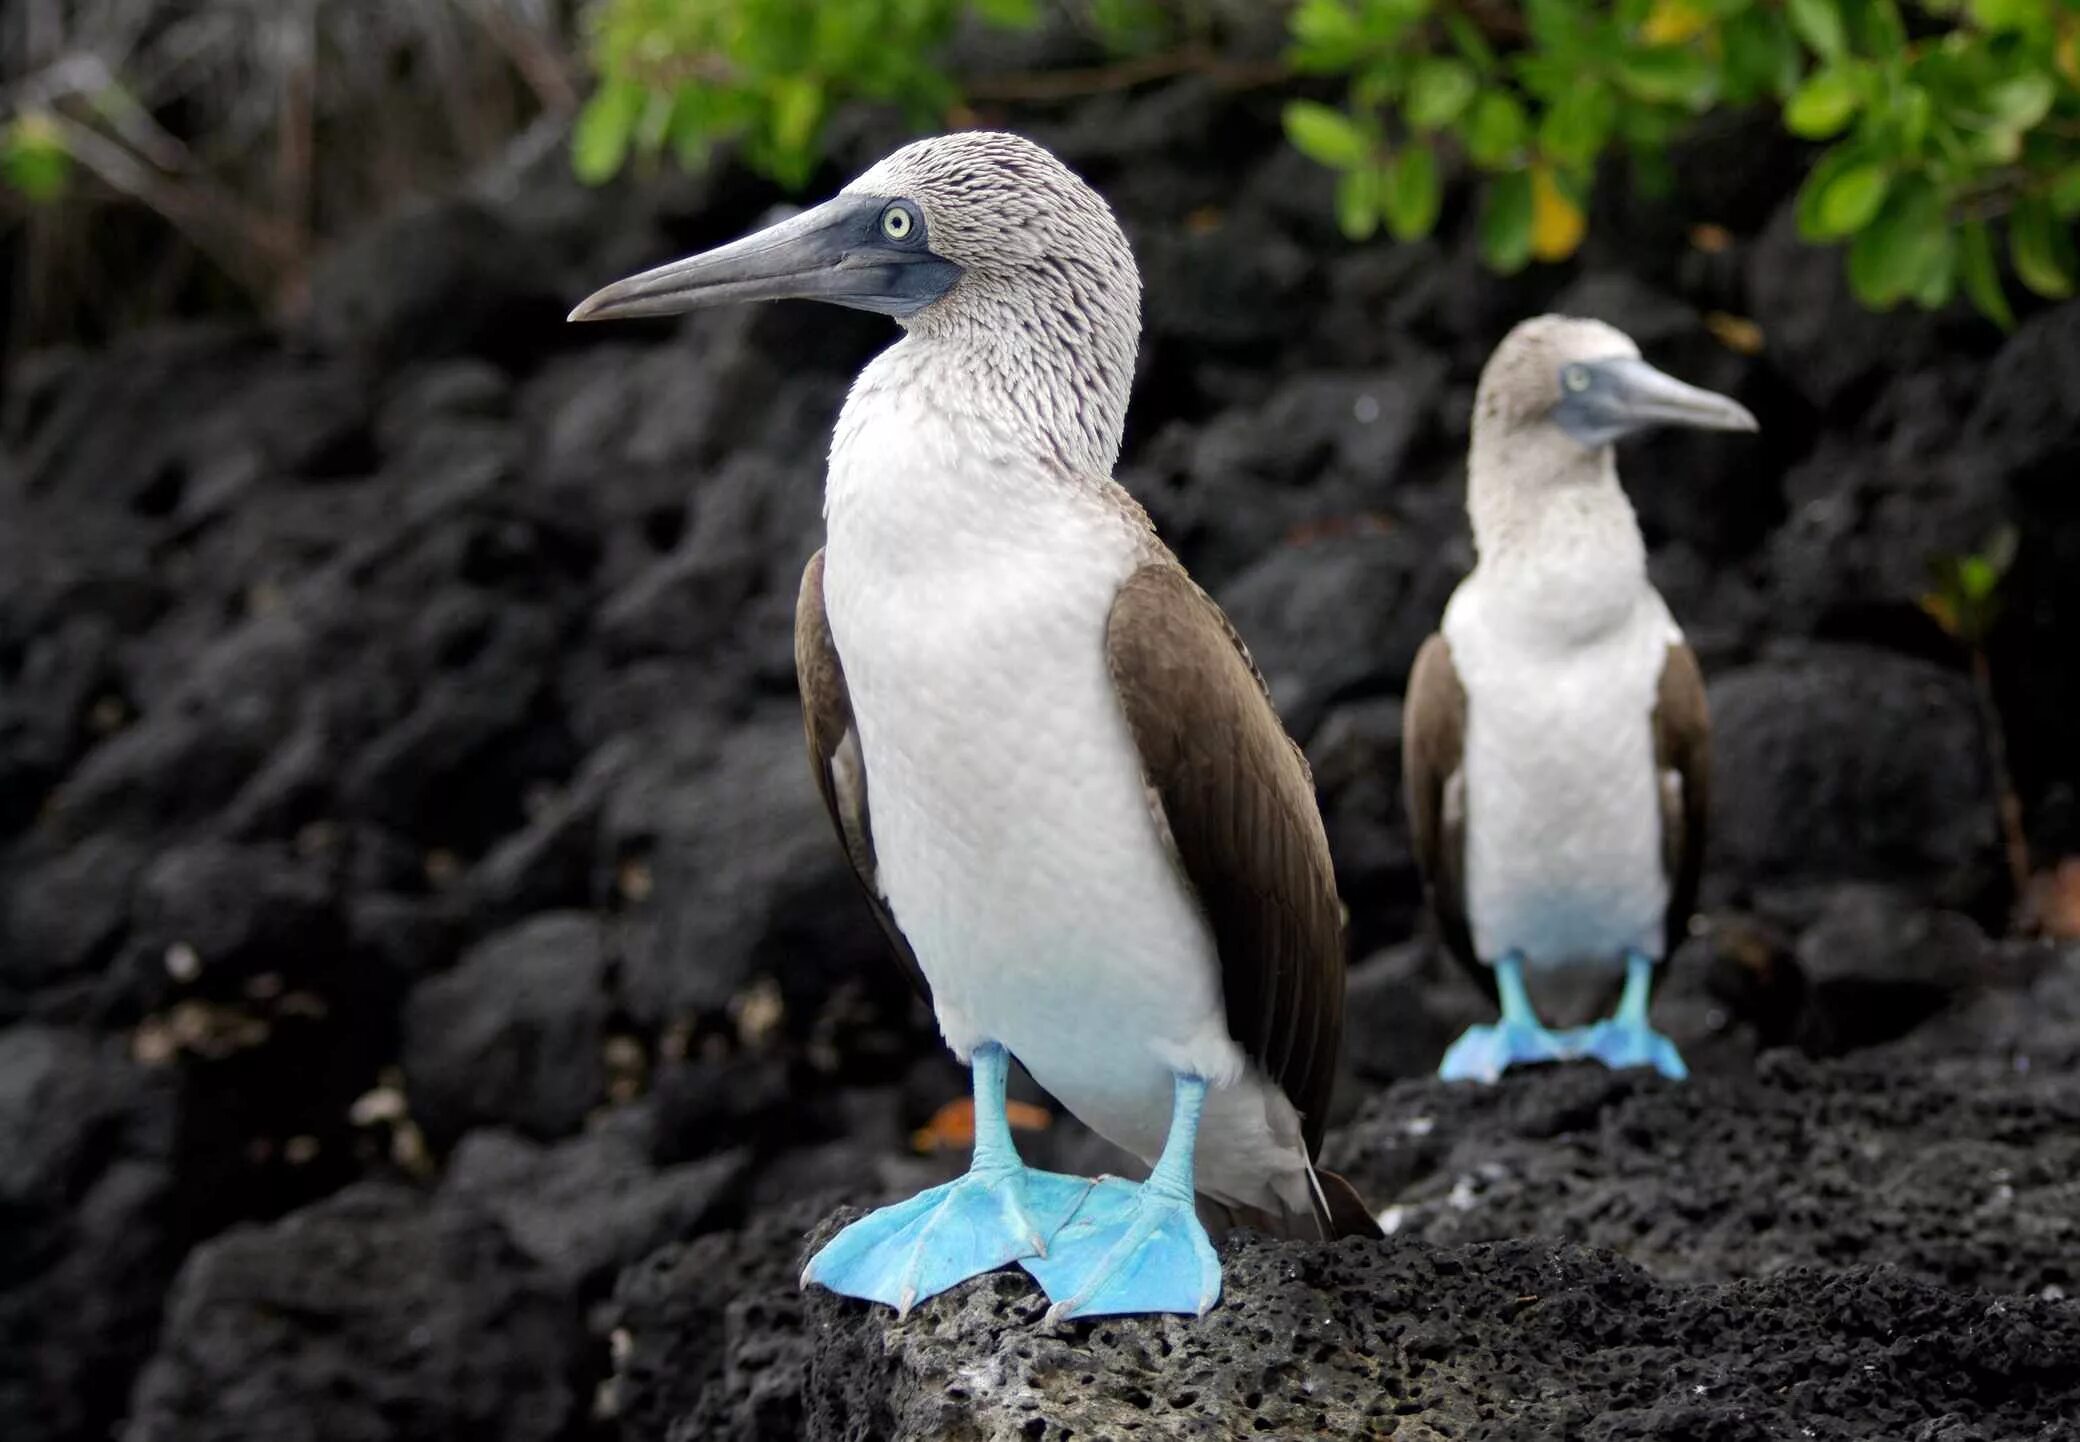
x: 33, y: 158
x: 1953, y: 123
x: 1964, y: 598
x: 683, y: 74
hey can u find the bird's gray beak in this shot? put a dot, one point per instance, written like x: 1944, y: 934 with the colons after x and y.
x: 1604, y: 401
x: 832, y: 252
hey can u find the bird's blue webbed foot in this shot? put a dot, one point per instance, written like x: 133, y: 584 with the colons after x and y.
x: 1627, y: 1039
x: 1484, y: 1053
x: 1138, y: 1248
x: 1000, y: 1212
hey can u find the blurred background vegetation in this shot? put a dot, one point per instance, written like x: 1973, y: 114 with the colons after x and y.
x: 1946, y: 134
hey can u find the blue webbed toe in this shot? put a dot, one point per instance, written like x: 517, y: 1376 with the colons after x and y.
x: 1130, y: 1249
x: 1484, y: 1053
x: 911, y: 1250
x: 1620, y: 1042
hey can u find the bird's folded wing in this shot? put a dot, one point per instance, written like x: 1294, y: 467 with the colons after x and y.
x: 1235, y: 797
x: 1682, y: 752
x: 1433, y: 751
x: 834, y: 754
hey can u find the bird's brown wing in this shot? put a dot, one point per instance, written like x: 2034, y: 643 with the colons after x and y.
x: 1682, y: 763
x: 834, y: 754
x: 1237, y: 800
x: 1433, y: 750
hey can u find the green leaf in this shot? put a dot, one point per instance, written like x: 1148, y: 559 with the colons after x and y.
x: 1437, y: 92
x: 1413, y: 192
x: 1915, y: 110
x: 601, y: 136
x: 1578, y: 124
x: 797, y: 109
x: 1823, y: 105
x: 1843, y: 200
x: 2021, y: 102
x: 1014, y: 14
x: 1325, y: 136
x: 2042, y: 249
x: 2064, y: 192
x: 1326, y: 35
x: 1761, y: 55
x: 1904, y: 249
x: 1819, y: 24
x: 2000, y: 15
x: 1982, y: 280
x: 1668, y: 75
x: 1976, y: 578
x: 1495, y: 129
x: 1357, y: 202
x: 1506, y: 222
x: 1467, y: 38
x: 34, y: 160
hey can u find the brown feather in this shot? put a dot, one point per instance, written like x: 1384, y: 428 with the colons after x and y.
x: 1433, y: 750
x: 1682, y: 745
x: 1238, y: 801
x: 834, y: 755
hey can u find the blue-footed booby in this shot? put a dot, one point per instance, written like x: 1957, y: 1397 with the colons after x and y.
x: 1556, y: 743
x: 1046, y: 753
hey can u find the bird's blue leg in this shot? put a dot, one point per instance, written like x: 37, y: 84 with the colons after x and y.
x: 1484, y: 1053
x: 1000, y: 1212
x: 1138, y: 1248
x: 1627, y: 1039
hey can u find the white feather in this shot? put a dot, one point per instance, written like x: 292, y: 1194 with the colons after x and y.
x: 1559, y: 642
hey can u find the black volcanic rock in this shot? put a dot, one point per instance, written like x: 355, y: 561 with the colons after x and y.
x: 90, y: 1227
x: 1514, y: 1339
x: 513, y: 1034
x: 1844, y: 764
x: 370, y: 1315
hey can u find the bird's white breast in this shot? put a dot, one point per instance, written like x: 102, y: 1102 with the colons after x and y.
x: 968, y: 596
x: 1562, y: 795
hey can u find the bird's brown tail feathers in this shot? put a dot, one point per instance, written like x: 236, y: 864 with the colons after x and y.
x: 1338, y: 1211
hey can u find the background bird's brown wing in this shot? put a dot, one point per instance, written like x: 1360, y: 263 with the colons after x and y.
x: 1238, y: 801
x: 1682, y: 748
x: 1433, y: 749
x: 834, y: 754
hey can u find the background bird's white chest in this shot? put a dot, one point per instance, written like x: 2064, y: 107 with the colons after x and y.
x: 1561, y: 792
x: 968, y: 597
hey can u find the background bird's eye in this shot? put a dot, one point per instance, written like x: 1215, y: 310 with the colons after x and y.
x: 1575, y: 378
x: 897, y: 223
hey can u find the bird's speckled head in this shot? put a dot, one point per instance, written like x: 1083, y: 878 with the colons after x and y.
x: 1010, y: 271
x: 1587, y: 379
x: 1011, y: 217
x: 1523, y: 380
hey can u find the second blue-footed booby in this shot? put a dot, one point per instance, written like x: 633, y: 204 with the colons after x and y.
x: 1049, y: 758
x: 1555, y: 742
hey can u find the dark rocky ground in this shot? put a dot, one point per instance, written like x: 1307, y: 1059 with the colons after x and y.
x: 431, y: 1005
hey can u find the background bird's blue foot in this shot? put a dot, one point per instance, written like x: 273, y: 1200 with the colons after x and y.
x: 1000, y: 1212
x: 1484, y: 1053
x: 1619, y: 1043
x: 904, y: 1253
x: 1130, y: 1249
x: 1627, y: 1039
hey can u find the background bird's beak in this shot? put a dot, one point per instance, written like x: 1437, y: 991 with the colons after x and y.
x: 833, y: 252
x: 1626, y: 395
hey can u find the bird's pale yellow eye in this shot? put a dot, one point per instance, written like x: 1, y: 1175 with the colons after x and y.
x: 896, y: 223
x: 1575, y: 378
